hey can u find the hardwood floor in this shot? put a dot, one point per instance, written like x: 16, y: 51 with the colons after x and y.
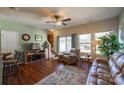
x: 31, y: 73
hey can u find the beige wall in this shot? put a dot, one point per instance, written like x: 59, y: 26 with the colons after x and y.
x: 99, y: 26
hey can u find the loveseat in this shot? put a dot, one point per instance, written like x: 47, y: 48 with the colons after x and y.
x: 109, y: 72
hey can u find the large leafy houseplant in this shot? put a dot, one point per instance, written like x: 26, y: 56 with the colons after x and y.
x: 108, y: 44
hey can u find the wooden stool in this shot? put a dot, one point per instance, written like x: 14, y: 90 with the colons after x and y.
x: 9, y: 70
x: 10, y: 67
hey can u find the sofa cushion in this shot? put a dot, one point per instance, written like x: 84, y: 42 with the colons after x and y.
x: 116, y: 55
x: 103, y: 72
x: 76, y: 51
x: 103, y: 66
x: 10, y: 57
x: 110, y: 63
x: 120, y: 62
x: 106, y: 78
x: 119, y: 79
x: 105, y: 69
x: 114, y: 71
x: 103, y: 82
x: 66, y: 53
x: 73, y: 54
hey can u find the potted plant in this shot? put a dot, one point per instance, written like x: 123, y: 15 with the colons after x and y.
x: 108, y: 44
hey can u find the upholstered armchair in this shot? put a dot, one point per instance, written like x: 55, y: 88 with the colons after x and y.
x: 70, y: 58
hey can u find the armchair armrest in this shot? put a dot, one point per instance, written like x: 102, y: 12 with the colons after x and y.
x: 101, y: 60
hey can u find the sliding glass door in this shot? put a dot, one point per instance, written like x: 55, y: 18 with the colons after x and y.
x: 65, y: 44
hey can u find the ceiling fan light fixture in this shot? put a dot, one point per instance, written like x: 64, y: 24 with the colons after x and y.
x: 58, y: 23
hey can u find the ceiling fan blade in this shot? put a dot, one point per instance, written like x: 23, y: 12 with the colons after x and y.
x: 64, y: 24
x: 50, y: 21
x: 68, y: 19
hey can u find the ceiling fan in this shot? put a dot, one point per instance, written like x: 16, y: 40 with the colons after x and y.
x: 58, y: 20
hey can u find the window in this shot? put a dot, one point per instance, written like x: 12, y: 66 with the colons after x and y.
x: 85, y: 42
x: 65, y: 44
x: 97, y: 35
x: 68, y: 44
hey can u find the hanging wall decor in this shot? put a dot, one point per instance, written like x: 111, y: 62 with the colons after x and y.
x: 38, y: 38
x: 26, y: 37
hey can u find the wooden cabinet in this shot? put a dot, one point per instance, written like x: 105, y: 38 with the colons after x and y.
x: 33, y: 56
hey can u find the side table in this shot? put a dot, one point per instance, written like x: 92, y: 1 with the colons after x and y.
x: 85, y: 60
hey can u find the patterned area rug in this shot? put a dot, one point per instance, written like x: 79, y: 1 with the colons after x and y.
x: 65, y: 75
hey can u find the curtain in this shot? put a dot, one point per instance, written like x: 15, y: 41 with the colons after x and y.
x: 74, y: 40
x: 58, y: 44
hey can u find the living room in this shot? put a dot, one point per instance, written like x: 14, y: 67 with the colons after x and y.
x: 60, y: 46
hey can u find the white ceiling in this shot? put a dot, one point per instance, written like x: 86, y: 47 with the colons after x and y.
x: 39, y: 15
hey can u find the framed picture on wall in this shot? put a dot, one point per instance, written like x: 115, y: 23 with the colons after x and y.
x: 38, y: 38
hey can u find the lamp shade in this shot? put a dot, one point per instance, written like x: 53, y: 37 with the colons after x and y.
x: 58, y: 23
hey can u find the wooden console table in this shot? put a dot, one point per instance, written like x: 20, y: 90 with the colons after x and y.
x: 33, y: 56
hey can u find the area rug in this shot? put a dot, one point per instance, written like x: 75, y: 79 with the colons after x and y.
x: 65, y: 75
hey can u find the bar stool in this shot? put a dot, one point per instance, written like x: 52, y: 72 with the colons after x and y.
x: 10, y: 67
